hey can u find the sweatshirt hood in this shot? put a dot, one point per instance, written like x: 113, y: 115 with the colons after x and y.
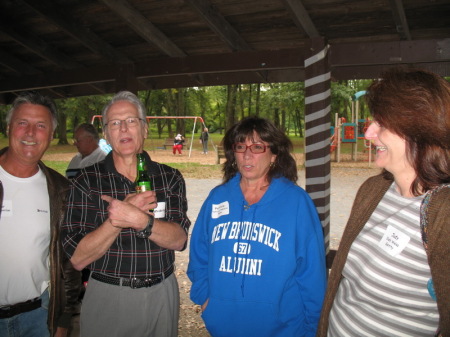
x: 277, y: 187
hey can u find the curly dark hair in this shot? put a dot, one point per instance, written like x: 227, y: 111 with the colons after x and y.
x: 279, y: 144
x: 415, y: 105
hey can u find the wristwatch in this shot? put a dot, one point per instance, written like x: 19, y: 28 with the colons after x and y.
x: 147, y: 231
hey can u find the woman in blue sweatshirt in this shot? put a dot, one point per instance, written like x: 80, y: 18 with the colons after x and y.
x: 257, y: 260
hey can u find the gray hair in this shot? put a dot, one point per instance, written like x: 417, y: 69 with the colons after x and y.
x: 128, y: 97
x: 88, y: 128
x: 32, y: 97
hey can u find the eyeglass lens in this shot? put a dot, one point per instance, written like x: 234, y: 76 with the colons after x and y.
x: 116, y: 123
x: 254, y: 148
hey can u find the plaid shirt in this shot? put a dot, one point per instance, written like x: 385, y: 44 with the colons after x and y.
x: 129, y: 256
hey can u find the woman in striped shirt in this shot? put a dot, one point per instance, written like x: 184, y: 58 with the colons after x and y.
x: 390, y: 276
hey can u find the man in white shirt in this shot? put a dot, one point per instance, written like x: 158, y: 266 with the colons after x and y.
x: 32, y: 302
x: 86, y: 140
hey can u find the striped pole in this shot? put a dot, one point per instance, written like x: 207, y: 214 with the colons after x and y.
x: 317, y: 134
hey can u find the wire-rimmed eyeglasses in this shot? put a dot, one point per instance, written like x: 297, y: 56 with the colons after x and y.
x: 254, y: 148
x: 130, y: 122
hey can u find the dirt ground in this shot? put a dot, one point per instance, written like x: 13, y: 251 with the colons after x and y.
x: 196, y: 156
x: 346, y: 178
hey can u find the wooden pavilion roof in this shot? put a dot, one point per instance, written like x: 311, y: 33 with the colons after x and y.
x: 69, y: 48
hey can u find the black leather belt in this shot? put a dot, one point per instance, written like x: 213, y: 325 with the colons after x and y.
x: 134, y: 282
x: 19, y: 308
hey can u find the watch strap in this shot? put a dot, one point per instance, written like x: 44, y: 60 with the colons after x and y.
x: 147, y: 231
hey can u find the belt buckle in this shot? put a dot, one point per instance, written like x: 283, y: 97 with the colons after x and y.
x: 8, y: 312
x: 135, y: 283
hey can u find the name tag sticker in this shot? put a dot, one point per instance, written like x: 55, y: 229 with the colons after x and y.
x: 160, y: 210
x: 393, y: 241
x: 7, y: 210
x: 220, y: 210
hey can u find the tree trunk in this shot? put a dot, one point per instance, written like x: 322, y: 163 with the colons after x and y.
x: 62, y: 128
x: 241, y: 100
x: 250, y: 95
x: 258, y: 99
x: 283, y: 120
x: 170, y: 111
x: 276, y: 117
x: 180, y: 111
x: 231, y: 106
x: 299, y: 121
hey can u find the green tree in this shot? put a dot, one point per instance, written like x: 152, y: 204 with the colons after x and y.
x: 231, y: 106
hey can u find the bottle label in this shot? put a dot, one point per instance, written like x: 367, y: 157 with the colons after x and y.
x: 143, y: 186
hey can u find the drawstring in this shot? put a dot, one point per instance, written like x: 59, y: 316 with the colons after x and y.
x: 245, y: 207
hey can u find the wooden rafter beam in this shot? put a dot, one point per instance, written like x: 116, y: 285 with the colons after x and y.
x: 165, y: 67
x: 301, y: 17
x: 142, y: 26
x: 17, y: 65
x: 45, y: 51
x: 75, y: 30
x: 347, y: 61
x: 222, y: 63
x: 401, y: 23
x: 390, y: 53
x: 218, y: 24
x: 38, y: 46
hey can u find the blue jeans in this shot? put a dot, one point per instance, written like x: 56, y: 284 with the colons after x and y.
x: 27, y: 324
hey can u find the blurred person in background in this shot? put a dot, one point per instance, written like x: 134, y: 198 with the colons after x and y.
x: 390, y: 276
x: 204, y: 140
x: 86, y: 139
x: 178, y: 144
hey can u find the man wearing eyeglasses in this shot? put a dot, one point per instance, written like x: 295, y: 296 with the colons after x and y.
x: 129, y: 249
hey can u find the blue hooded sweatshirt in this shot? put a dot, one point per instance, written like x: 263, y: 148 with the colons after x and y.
x: 262, y: 266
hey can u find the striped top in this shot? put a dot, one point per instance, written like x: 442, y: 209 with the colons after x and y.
x: 384, y: 291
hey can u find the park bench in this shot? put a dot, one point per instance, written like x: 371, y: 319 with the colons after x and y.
x: 220, y: 153
x: 168, y: 143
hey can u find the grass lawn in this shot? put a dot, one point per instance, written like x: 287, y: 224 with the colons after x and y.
x: 190, y: 167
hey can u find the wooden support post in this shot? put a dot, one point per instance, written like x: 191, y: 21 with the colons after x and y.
x: 317, y: 118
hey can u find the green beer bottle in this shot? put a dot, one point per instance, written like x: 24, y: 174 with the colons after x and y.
x: 142, y: 181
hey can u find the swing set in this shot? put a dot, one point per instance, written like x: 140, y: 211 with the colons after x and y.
x: 97, y: 120
x: 344, y: 132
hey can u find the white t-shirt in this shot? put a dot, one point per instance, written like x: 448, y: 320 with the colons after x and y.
x: 24, y: 238
x: 78, y: 162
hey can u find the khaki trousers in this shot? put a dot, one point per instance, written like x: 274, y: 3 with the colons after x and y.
x: 115, y: 311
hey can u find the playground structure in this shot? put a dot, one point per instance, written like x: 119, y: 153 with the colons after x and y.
x: 343, y: 132
x: 96, y: 119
